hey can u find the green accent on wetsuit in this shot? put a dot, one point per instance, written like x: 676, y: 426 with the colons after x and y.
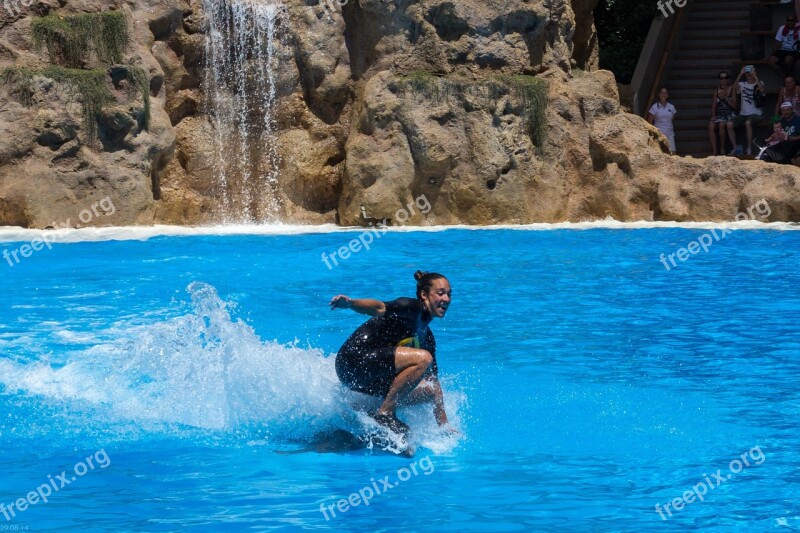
x: 365, y: 361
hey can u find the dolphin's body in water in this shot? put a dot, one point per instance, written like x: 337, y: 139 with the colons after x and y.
x: 338, y: 441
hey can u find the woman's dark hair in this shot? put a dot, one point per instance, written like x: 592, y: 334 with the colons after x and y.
x: 425, y: 281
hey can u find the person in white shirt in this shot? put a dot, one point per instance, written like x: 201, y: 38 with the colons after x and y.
x: 661, y: 115
x: 749, y: 112
x: 784, y: 53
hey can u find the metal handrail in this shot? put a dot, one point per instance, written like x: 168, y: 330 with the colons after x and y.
x: 664, y: 58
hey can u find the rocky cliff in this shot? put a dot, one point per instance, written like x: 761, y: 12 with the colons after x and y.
x: 493, y: 110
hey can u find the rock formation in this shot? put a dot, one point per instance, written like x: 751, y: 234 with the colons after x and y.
x: 376, y: 103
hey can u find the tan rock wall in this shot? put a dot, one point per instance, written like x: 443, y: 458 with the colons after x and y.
x: 355, y: 143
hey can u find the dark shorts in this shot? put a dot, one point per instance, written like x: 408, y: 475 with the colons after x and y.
x: 370, y: 372
x: 739, y: 120
x: 782, y: 54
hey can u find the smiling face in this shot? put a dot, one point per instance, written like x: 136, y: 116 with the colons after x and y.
x: 438, y: 298
x: 787, y: 112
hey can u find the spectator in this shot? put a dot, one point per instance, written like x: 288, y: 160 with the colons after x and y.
x: 783, y: 50
x: 749, y: 112
x: 784, y: 151
x: 661, y: 115
x: 778, y: 135
x: 790, y: 92
x: 723, y: 108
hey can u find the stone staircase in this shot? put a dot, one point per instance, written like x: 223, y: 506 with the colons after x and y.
x: 712, y: 41
x: 709, y: 43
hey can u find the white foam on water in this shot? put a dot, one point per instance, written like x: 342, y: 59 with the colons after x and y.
x: 10, y: 234
x: 203, y: 371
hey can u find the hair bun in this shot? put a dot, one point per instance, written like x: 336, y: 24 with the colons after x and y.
x: 418, y: 275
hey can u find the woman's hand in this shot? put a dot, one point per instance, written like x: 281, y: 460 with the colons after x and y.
x: 450, y: 430
x: 340, y: 301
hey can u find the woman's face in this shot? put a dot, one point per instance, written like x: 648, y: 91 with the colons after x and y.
x: 437, y: 299
x: 723, y: 79
x: 664, y: 95
x: 789, y: 82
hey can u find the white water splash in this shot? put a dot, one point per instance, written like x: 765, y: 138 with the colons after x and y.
x: 240, y: 90
x: 201, y: 373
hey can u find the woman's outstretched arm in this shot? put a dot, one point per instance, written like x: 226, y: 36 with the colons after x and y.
x: 364, y: 306
x: 429, y: 390
x: 438, y: 404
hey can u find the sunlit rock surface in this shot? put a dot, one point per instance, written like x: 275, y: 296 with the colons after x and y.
x: 349, y: 114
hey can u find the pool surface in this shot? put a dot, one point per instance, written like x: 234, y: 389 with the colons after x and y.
x: 165, y: 383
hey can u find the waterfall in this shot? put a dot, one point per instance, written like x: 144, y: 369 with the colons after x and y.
x: 239, y: 86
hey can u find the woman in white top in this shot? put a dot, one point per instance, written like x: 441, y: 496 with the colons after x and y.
x: 661, y: 115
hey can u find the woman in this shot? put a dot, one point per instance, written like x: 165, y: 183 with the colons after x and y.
x: 723, y: 108
x: 790, y: 92
x: 661, y: 115
x: 393, y: 354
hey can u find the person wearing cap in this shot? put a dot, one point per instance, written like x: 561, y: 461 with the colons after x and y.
x: 748, y: 112
x: 784, y: 151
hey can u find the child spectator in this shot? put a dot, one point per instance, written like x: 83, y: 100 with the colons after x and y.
x: 777, y: 136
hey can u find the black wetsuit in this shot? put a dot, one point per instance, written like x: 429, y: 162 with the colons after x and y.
x: 365, y: 362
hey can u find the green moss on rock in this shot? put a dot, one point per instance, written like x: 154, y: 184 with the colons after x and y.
x: 69, y: 39
x: 533, y: 92
x: 91, y: 85
x: 140, y: 81
x: 530, y: 90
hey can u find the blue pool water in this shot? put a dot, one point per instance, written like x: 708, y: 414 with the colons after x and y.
x: 588, y: 382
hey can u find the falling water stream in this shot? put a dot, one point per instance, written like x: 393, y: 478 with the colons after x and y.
x: 240, y: 99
